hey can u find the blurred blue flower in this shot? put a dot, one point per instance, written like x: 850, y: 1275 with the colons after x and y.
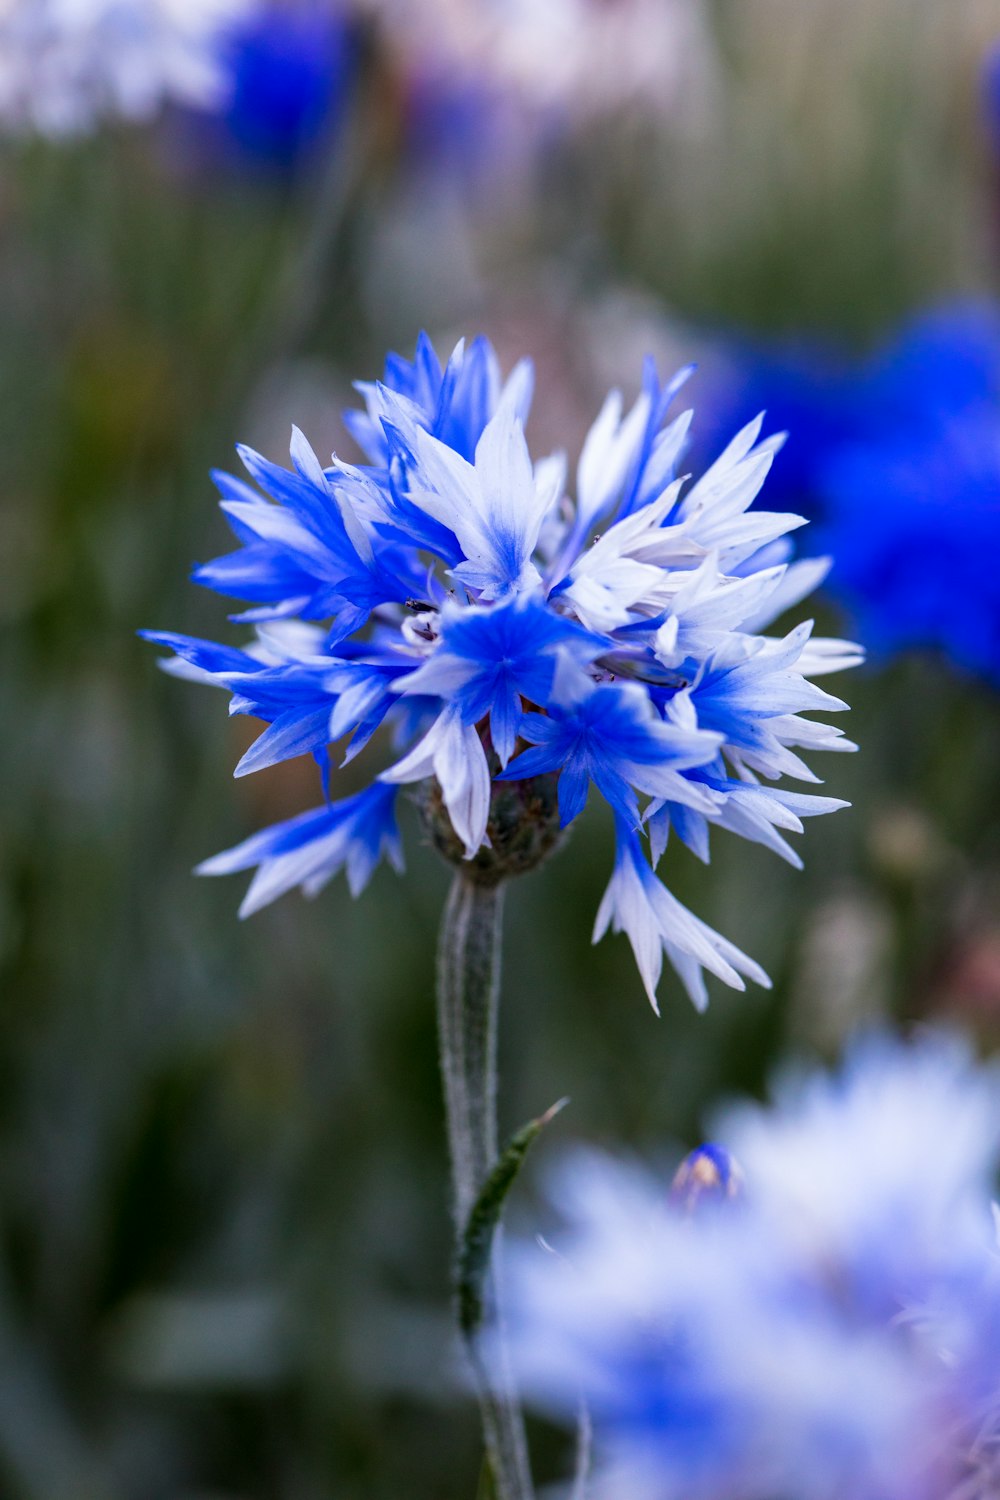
x: 915, y: 527
x: 944, y: 361
x: 707, y: 1174
x: 462, y: 126
x: 290, y: 66
x: 806, y: 385
x: 900, y: 463
x: 833, y: 1333
x: 912, y: 510
x: 471, y: 607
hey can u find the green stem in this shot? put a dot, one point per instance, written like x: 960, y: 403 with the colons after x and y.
x: 468, y: 986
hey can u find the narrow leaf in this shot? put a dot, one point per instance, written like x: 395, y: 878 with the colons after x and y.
x: 477, y: 1241
x: 486, y: 1488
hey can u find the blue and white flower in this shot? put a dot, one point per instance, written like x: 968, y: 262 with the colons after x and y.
x: 451, y: 591
x: 67, y: 64
x: 832, y: 1332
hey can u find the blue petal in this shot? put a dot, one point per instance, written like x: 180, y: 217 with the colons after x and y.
x: 292, y: 733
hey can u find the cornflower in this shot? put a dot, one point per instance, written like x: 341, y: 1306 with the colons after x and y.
x: 67, y: 64
x: 290, y: 69
x: 569, y: 61
x: 523, y: 648
x: 831, y: 1332
x: 519, y: 648
x: 897, y: 459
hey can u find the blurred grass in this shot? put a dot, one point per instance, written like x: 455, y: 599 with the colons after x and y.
x: 222, y: 1185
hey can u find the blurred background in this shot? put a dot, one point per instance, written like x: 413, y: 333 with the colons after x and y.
x: 224, y: 1237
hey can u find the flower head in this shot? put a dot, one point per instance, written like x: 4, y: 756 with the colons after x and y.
x: 897, y: 457
x: 523, y: 647
x: 832, y: 1332
x: 567, y: 59
x: 65, y: 64
x: 708, y: 1173
x: 914, y: 520
x: 289, y: 66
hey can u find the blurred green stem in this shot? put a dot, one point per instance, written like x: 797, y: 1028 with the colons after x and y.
x: 468, y: 988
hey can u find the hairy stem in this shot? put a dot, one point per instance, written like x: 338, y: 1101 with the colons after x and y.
x: 468, y: 986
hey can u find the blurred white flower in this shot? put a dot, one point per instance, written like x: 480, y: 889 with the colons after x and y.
x: 884, y: 1169
x: 65, y: 64
x: 576, y: 58
x: 832, y: 1331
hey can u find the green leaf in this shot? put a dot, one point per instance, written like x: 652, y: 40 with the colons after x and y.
x: 486, y: 1489
x: 477, y: 1241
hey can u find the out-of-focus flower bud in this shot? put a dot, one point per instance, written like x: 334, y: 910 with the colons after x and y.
x: 708, y: 1172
